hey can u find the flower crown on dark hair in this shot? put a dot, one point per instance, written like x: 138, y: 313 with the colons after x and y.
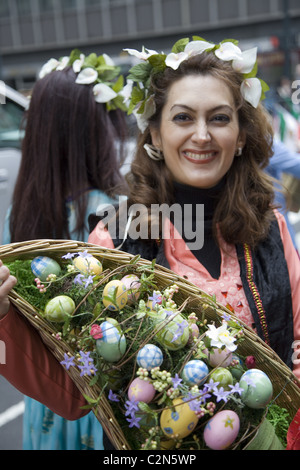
x: 138, y: 88
x: 100, y: 70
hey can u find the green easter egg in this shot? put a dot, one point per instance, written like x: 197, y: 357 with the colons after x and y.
x: 223, y: 376
x: 258, y: 389
x: 175, y: 334
x: 42, y: 266
x: 59, y: 308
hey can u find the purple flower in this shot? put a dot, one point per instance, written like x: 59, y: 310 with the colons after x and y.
x: 176, y: 381
x: 131, y: 407
x: 112, y: 396
x: 68, y: 361
x: 156, y: 299
x: 134, y: 421
x: 84, y: 254
x: 221, y: 394
x: 210, y: 386
x: 88, y: 366
x: 88, y: 280
x: 180, y: 331
x: 236, y: 389
x: 78, y: 279
x: 69, y: 256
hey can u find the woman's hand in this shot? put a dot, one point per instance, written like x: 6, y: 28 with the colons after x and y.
x: 7, y: 282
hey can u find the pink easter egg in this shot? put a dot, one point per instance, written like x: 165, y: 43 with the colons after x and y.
x: 219, y: 357
x: 141, y: 390
x: 132, y: 284
x: 221, y: 430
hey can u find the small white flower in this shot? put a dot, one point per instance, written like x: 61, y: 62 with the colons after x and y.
x: 228, y: 51
x: 108, y: 60
x: 149, y: 110
x: 87, y: 76
x: 221, y: 337
x: 251, y: 90
x: 246, y: 62
x: 103, y: 93
x: 197, y: 47
x: 63, y: 63
x: 174, y: 60
x: 141, y: 55
x: 127, y: 90
x: 78, y: 63
x: 48, y: 67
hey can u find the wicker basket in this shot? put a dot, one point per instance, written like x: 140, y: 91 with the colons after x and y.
x: 285, y: 384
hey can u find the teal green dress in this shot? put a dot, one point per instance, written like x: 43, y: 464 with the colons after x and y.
x: 43, y: 429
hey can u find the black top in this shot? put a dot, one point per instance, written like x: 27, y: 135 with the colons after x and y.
x: 199, y: 223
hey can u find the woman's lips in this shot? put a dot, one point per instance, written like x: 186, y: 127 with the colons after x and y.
x: 199, y: 157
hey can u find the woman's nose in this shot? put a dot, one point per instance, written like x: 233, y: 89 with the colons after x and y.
x: 201, y: 133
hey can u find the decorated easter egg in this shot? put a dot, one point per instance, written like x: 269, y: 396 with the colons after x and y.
x: 149, y: 356
x: 194, y: 372
x: 42, y: 266
x: 175, y: 334
x: 223, y: 376
x: 132, y: 283
x: 221, y: 430
x: 258, y: 388
x: 219, y: 357
x: 238, y: 369
x: 59, y: 308
x: 141, y: 390
x: 88, y: 265
x: 194, y: 332
x: 178, y: 420
x: 114, y: 295
x: 112, y: 345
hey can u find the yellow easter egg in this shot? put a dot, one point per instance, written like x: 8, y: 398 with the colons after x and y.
x: 115, y: 295
x: 179, y: 421
x: 88, y: 265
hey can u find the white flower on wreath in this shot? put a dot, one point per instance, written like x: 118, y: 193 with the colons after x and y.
x: 228, y: 51
x: 246, y: 61
x: 50, y: 65
x: 103, y: 93
x: 143, y: 55
x: 78, y: 63
x: 149, y: 110
x: 221, y: 337
x: 251, y: 90
x: 87, y: 76
x: 62, y: 63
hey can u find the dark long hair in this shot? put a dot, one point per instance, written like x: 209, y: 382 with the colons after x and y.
x: 69, y: 147
x: 244, y: 211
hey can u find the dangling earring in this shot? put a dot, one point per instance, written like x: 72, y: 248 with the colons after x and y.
x: 153, y: 152
x: 239, y: 152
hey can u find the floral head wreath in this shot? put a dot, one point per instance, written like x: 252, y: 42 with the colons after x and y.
x: 141, y: 101
x: 100, y: 70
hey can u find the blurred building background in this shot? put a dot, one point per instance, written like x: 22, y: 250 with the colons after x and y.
x: 32, y: 31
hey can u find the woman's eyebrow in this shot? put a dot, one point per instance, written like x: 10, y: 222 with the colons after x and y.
x: 216, y: 108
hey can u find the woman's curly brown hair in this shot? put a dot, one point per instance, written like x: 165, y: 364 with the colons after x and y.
x: 244, y: 211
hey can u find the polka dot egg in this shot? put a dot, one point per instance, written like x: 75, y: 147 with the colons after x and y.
x: 194, y: 372
x: 88, y: 265
x: 42, y: 266
x: 178, y: 420
x: 150, y: 356
x: 115, y: 295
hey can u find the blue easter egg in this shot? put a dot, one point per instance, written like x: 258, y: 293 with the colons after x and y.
x: 42, y: 266
x: 194, y: 372
x: 112, y: 345
x: 150, y: 356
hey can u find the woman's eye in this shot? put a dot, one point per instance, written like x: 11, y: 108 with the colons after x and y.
x: 181, y: 117
x: 221, y: 118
